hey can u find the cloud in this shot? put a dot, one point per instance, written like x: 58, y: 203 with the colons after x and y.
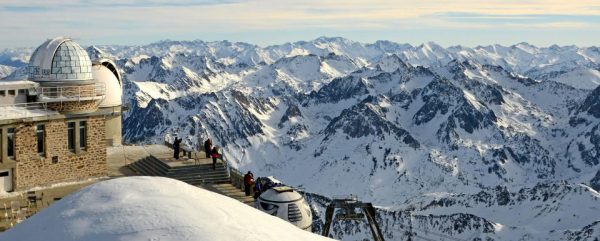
x: 517, y: 18
x: 34, y: 20
x: 24, y: 8
x: 84, y: 5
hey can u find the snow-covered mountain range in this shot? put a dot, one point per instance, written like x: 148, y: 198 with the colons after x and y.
x: 486, y: 143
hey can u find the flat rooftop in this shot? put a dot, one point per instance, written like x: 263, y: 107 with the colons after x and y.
x: 25, y: 110
x: 14, y: 84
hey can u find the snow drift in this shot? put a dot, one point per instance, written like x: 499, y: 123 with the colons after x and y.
x: 152, y: 208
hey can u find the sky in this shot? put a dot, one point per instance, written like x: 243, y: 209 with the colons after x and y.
x: 27, y: 23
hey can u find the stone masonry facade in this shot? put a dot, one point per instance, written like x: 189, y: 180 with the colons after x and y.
x: 74, y: 106
x: 58, y: 163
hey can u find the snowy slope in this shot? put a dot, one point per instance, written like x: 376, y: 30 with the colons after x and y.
x: 152, y: 208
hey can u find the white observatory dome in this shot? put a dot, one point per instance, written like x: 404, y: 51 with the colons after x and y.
x: 59, y: 60
x: 287, y: 204
x: 105, y: 72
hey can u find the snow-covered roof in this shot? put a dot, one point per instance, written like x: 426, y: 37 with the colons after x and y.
x: 152, y: 208
x: 273, y: 195
x: 21, y: 84
x: 25, y: 110
x: 60, y: 59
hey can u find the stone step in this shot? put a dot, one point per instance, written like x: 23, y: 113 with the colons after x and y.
x: 231, y: 191
x: 156, y: 170
x: 157, y: 165
x: 204, y: 165
x: 187, y: 171
x: 202, y: 173
x: 143, y: 168
x: 216, y: 181
x: 213, y: 179
x: 199, y: 177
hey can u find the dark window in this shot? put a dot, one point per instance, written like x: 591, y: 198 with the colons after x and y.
x: 10, y: 152
x: 21, y: 91
x: 2, y: 93
x: 82, y: 135
x: 3, y: 174
x: 71, y: 136
x: 40, y: 139
x: 11, y: 92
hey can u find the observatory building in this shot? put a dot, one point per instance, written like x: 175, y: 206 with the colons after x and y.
x: 56, y: 124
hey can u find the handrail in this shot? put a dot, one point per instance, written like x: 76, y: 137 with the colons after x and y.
x: 76, y: 92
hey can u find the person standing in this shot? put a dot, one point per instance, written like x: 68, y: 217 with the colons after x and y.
x: 215, y: 155
x: 248, y: 182
x: 176, y: 147
x: 208, y: 147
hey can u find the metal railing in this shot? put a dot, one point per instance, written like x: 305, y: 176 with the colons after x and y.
x: 235, y: 175
x: 72, y: 93
x: 25, y: 110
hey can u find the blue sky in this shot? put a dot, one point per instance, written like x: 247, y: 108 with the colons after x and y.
x: 27, y: 23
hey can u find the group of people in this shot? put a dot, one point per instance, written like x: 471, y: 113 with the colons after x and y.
x: 259, y: 186
x: 210, y: 150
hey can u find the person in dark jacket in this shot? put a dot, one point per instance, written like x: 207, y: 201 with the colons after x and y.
x: 208, y: 147
x: 262, y: 184
x: 258, y: 187
x: 248, y: 183
x: 215, y: 155
x: 176, y: 147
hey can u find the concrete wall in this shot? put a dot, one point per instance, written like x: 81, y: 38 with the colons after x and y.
x: 113, y: 130
x: 33, y: 169
x: 20, y: 96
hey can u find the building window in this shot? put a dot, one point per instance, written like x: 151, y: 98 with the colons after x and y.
x: 11, y: 92
x: 21, y: 91
x: 10, y: 141
x: 71, y: 136
x: 2, y: 92
x: 82, y: 135
x: 40, y: 139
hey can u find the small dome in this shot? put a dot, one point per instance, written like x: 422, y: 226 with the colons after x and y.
x: 60, y: 59
x: 106, y: 74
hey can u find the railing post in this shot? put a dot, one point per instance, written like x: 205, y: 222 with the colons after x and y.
x: 227, y: 167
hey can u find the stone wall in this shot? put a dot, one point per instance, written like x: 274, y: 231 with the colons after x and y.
x: 74, y: 106
x: 33, y: 169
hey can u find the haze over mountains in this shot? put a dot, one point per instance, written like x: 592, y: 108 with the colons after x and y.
x: 492, y: 142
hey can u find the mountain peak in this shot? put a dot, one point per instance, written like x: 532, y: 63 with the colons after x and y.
x: 332, y: 39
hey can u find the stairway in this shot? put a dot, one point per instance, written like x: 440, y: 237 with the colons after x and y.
x: 202, y: 175
x: 231, y: 191
x: 191, y: 174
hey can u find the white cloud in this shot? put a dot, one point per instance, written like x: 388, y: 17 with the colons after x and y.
x: 39, y: 19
